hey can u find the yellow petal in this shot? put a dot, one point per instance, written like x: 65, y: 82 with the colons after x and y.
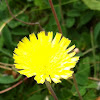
x: 64, y: 42
x: 56, y: 39
x: 33, y: 38
x: 50, y: 36
x: 55, y: 80
x: 70, y: 48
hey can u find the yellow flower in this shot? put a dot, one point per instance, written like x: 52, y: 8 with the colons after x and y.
x: 45, y: 58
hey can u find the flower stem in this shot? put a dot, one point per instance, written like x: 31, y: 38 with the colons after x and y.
x: 76, y: 86
x: 51, y: 90
x: 55, y: 16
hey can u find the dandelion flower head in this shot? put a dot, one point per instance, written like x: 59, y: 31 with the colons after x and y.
x: 44, y: 57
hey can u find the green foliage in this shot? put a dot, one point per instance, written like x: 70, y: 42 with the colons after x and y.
x: 8, y: 79
x: 7, y: 36
x: 13, y: 24
x: 41, y: 3
x: 93, y: 4
x: 35, y: 97
x: 85, y: 18
x: 70, y: 22
x: 78, y: 18
x: 83, y: 72
x: 96, y: 30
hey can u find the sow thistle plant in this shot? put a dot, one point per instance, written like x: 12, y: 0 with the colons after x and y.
x: 45, y: 58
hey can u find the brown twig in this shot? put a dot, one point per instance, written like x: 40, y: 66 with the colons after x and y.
x: 76, y: 86
x: 55, y: 16
x: 5, y: 64
x: 15, y: 85
x: 92, y: 78
x: 36, y: 23
x: 4, y: 67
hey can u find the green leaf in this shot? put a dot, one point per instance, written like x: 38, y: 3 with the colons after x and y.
x: 1, y: 98
x: 91, y: 84
x: 51, y: 97
x: 90, y: 95
x: 41, y: 3
x: 1, y: 41
x: 20, y: 31
x: 79, y: 6
x: 8, y: 79
x: 3, y: 10
x: 82, y: 90
x: 6, y: 52
x: 92, y: 4
x: 70, y: 22
x: 73, y: 13
x: 65, y: 93
x: 85, y: 18
x: 97, y: 30
x: 83, y: 72
x: 7, y: 36
x: 5, y: 59
x: 35, y: 97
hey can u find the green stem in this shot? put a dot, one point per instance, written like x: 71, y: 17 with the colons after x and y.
x: 93, y: 51
x: 51, y: 90
x: 88, y: 51
x: 62, y: 17
x: 55, y: 16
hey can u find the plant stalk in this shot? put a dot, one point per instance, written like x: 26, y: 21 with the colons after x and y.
x: 55, y: 16
x: 51, y: 90
x: 93, y: 51
x: 76, y: 86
